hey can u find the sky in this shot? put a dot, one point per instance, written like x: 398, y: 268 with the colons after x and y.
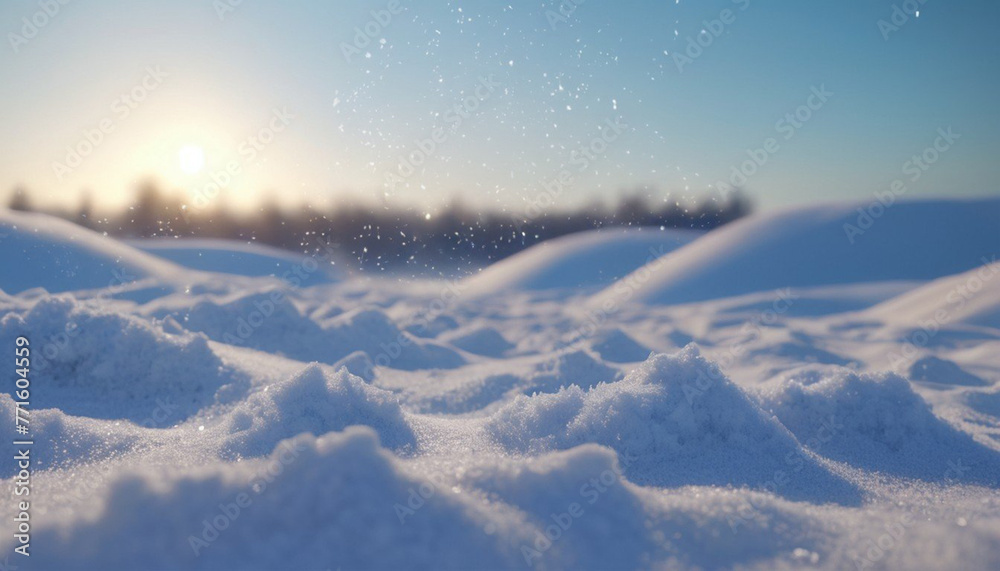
x: 500, y: 105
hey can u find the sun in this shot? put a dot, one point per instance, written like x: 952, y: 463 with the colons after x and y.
x: 192, y: 159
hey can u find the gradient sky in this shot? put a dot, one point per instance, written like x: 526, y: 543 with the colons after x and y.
x: 557, y: 85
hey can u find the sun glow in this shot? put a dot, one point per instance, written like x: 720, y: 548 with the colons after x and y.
x: 192, y: 159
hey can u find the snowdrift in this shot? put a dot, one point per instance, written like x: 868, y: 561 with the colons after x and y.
x: 271, y: 321
x: 876, y: 422
x: 250, y: 423
x: 675, y: 420
x: 239, y: 258
x: 60, y: 256
x: 583, y: 260
x: 101, y: 364
x: 314, y: 402
x: 969, y: 298
x: 814, y: 246
x: 236, y: 516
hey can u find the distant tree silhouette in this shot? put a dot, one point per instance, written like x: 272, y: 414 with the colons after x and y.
x: 376, y: 238
x: 85, y: 211
x: 19, y: 200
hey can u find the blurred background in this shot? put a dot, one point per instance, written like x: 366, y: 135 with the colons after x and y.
x: 426, y: 135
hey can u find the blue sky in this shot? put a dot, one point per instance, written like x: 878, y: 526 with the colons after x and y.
x: 351, y: 122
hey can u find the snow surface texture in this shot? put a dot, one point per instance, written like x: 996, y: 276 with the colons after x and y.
x: 231, y: 257
x: 780, y: 249
x: 851, y: 420
x: 584, y: 260
x: 62, y: 257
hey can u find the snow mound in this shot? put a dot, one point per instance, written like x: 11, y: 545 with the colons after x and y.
x: 582, y: 513
x: 986, y: 402
x: 582, y: 260
x: 572, y: 367
x: 65, y: 257
x: 877, y: 422
x: 433, y: 327
x: 314, y: 503
x: 266, y: 320
x: 271, y: 321
x: 618, y: 347
x: 61, y: 440
x: 315, y: 402
x: 241, y: 258
x: 971, y: 298
x: 486, y: 341
x: 372, y: 331
x: 931, y: 369
x: 587, y: 480
x: 675, y: 420
x: 359, y: 364
x: 813, y: 246
x: 116, y: 366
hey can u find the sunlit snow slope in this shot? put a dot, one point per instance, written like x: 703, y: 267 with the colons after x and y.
x: 818, y: 245
x: 232, y: 257
x: 578, y: 261
x: 44, y: 251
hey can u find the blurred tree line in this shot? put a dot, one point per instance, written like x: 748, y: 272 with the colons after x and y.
x: 373, y: 237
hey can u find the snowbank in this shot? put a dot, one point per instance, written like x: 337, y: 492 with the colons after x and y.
x: 675, y: 420
x: 877, y: 422
x: 618, y: 347
x: 814, y: 246
x: 314, y: 503
x: 969, y: 298
x: 272, y: 321
x: 583, y: 260
x: 216, y: 425
x: 60, y: 256
x: 102, y: 364
x: 315, y: 402
x: 243, y: 259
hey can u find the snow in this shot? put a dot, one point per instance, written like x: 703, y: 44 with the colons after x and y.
x: 60, y: 256
x: 971, y: 298
x: 814, y: 411
x: 231, y: 257
x: 581, y: 260
x: 918, y: 240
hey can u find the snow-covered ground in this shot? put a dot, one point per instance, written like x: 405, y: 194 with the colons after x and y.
x: 780, y: 393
